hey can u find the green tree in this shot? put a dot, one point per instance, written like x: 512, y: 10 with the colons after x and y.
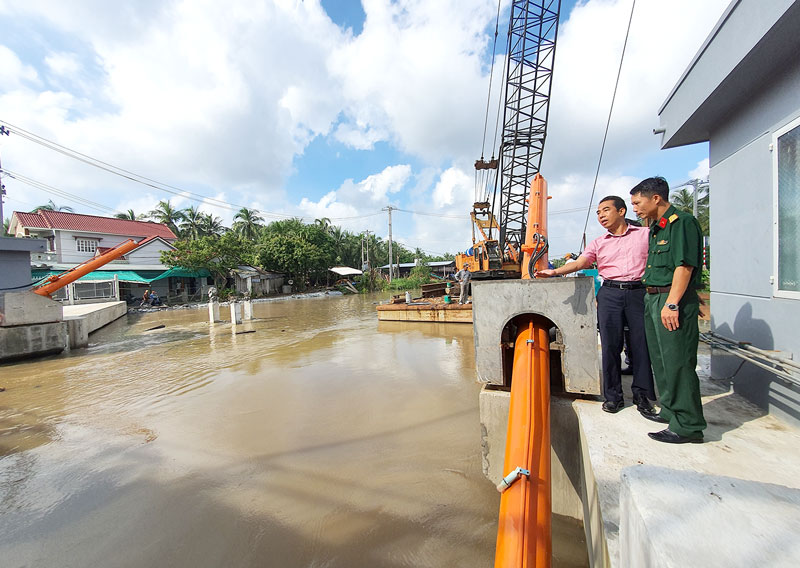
x: 50, y: 206
x: 211, y: 225
x: 190, y: 226
x: 683, y: 199
x: 6, y: 224
x: 129, y: 215
x: 218, y: 255
x: 247, y: 223
x: 168, y: 215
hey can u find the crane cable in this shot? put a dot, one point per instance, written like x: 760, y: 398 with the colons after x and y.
x: 605, y: 135
x: 483, y: 177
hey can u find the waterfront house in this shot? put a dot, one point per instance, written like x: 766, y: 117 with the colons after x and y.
x: 74, y: 238
x: 740, y: 93
x: 440, y: 268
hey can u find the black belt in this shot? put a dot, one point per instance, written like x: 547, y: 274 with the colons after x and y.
x: 624, y: 284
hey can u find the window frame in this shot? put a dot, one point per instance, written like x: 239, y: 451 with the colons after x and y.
x: 79, y: 240
x: 776, y: 290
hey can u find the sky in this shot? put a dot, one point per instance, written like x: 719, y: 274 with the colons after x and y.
x: 332, y: 108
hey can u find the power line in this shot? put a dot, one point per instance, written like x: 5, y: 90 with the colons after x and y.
x: 149, y: 182
x: 608, y: 123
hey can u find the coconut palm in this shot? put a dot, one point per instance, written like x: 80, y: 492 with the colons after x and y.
x: 324, y: 223
x: 192, y: 219
x: 683, y: 199
x: 50, y: 206
x: 166, y: 214
x: 211, y: 225
x: 129, y: 215
x: 247, y: 223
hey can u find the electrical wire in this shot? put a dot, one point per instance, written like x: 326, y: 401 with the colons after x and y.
x: 608, y: 123
x: 149, y: 182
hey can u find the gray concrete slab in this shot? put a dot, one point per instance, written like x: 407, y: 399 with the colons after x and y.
x: 742, y: 442
x: 673, y: 519
x: 96, y: 315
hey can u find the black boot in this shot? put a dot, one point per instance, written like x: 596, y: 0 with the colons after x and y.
x: 646, y: 409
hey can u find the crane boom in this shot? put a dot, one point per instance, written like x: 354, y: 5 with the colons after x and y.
x: 58, y: 281
x: 531, y: 51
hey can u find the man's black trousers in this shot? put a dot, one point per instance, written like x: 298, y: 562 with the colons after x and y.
x: 615, y: 309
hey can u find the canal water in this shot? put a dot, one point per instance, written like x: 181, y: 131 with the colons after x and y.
x: 320, y: 438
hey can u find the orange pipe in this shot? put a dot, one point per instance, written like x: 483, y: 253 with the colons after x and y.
x: 60, y: 280
x: 537, y: 223
x: 524, y: 524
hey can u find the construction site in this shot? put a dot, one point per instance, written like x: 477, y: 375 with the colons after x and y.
x: 467, y: 422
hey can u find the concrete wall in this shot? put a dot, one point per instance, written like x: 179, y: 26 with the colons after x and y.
x: 743, y: 306
x: 15, y: 260
x: 149, y: 253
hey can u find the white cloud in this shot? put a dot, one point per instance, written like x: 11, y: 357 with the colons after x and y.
x: 13, y: 73
x: 452, y: 183
x: 701, y: 171
x: 63, y: 64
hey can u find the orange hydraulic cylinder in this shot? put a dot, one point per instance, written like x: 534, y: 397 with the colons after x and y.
x: 524, y: 537
x: 537, y: 223
x: 60, y: 280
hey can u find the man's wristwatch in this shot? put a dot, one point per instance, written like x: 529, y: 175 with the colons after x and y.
x: 673, y: 307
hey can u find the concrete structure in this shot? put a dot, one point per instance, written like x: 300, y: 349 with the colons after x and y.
x: 236, y: 312
x: 567, y: 302
x: 15, y: 261
x: 740, y: 93
x: 254, y: 281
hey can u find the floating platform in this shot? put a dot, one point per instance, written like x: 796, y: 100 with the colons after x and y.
x: 426, y: 312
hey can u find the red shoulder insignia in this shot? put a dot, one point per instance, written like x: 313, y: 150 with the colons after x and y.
x: 662, y: 222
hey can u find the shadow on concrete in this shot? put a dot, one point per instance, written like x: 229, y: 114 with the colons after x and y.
x: 757, y: 385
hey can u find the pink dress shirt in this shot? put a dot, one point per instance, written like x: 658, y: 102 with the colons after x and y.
x: 620, y: 257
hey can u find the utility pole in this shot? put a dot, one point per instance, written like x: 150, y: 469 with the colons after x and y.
x: 391, y: 266
x: 3, y: 130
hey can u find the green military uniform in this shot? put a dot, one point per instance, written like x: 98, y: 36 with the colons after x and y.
x: 675, y: 240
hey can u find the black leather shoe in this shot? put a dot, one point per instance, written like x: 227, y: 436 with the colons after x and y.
x: 669, y: 437
x: 613, y: 407
x: 626, y: 371
x: 646, y: 409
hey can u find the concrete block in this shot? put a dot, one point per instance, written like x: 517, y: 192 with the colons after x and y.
x: 565, y: 450
x: 77, y: 332
x: 675, y: 518
x: 23, y: 308
x: 236, y: 312
x: 97, y: 314
x: 26, y: 341
x: 213, y: 312
x: 247, y: 309
x: 568, y: 302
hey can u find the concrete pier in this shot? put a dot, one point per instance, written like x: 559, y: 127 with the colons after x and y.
x: 236, y: 313
x: 213, y: 312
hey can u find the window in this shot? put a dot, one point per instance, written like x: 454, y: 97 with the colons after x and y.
x: 787, y: 166
x: 86, y: 245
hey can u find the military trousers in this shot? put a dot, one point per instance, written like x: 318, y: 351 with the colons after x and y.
x: 673, y: 355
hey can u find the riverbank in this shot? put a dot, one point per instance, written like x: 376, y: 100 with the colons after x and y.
x: 198, y: 305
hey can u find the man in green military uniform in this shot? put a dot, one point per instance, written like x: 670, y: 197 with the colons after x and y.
x: 671, y: 277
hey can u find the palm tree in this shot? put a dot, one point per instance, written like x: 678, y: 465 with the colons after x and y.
x: 166, y: 214
x: 6, y: 223
x: 247, y: 223
x: 211, y: 225
x: 324, y: 223
x: 50, y: 206
x: 129, y: 215
x: 683, y: 199
x: 192, y: 218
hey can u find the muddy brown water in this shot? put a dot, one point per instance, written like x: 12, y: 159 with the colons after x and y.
x: 324, y: 439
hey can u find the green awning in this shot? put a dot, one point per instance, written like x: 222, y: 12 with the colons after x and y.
x: 137, y: 277
x: 179, y: 272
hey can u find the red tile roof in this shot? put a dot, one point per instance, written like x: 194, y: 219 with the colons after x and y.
x: 44, y: 219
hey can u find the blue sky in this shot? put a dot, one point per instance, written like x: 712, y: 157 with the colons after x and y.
x: 328, y: 109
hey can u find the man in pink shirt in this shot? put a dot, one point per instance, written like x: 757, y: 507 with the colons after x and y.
x: 621, y: 255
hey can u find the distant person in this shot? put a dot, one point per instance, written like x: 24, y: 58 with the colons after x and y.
x: 621, y: 255
x: 154, y: 299
x: 463, y: 276
x: 146, y: 298
x: 672, y: 277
